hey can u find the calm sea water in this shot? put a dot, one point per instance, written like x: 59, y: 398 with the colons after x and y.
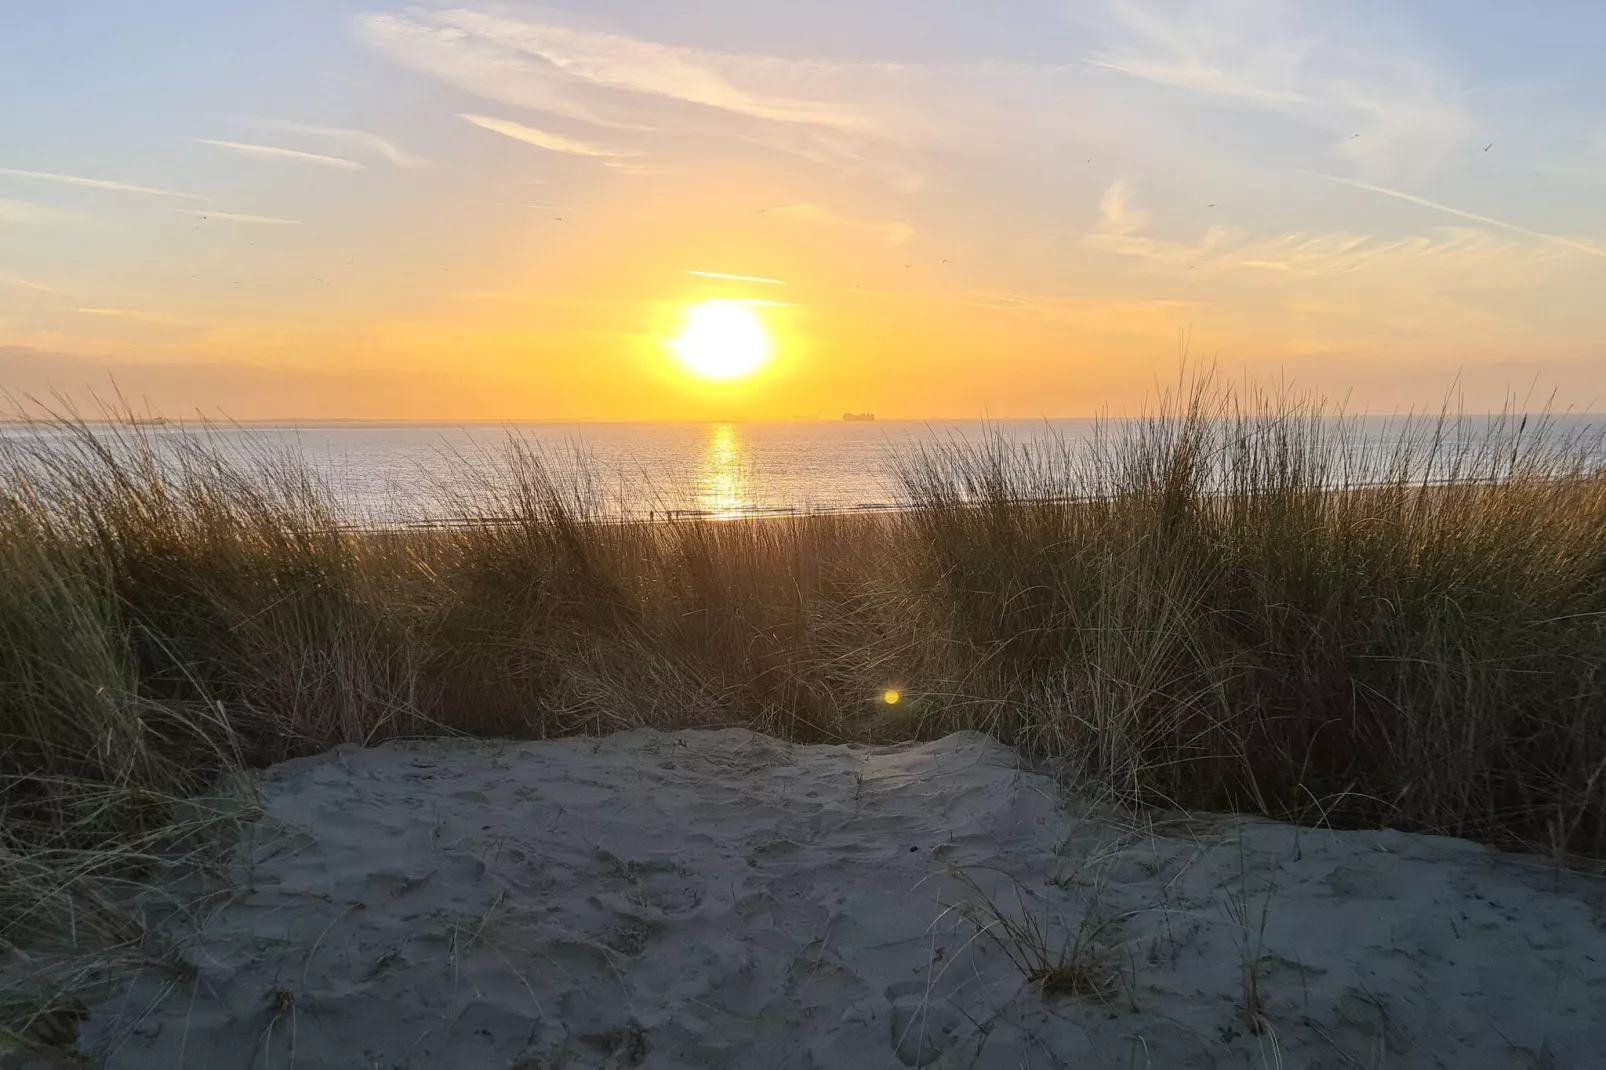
x: 391, y: 473
x: 400, y: 473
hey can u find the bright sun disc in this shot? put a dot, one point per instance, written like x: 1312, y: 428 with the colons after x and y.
x: 722, y: 340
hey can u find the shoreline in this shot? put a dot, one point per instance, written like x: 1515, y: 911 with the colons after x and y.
x: 693, y: 515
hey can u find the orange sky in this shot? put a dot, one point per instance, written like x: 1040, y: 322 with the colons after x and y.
x: 491, y: 213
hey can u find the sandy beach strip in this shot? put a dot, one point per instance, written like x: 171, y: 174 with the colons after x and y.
x: 722, y: 899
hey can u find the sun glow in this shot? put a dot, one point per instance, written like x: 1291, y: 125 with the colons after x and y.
x: 722, y: 340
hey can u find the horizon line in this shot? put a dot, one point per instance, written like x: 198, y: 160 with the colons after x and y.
x: 158, y: 420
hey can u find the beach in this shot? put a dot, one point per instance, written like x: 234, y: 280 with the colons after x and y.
x: 801, y: 536
x: 1184, y: 774
x: 725, y: 899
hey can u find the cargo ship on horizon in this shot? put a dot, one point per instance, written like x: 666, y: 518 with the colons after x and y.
x: 858, y: 417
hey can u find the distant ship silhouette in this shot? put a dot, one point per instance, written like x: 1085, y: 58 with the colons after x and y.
x: 858, y: 417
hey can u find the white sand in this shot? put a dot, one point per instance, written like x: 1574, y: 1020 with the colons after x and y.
x: 720, y: 899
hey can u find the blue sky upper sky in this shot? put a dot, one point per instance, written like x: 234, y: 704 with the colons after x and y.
x: 494, y: 210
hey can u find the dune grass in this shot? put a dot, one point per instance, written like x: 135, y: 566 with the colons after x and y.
x: 1237, y: 603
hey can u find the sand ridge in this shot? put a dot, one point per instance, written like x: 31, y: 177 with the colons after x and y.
x: 723, y: 899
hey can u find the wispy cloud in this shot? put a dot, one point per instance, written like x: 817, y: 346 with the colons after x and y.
x: 1073, y: 308
x: 1461, y: 256
x: 542, y: 139
x: 273, y: 152
x: 236, y: 217
x: 28, y: 284
x: 136, y: 314
x: 485, y: 68
x: 839, y: 115
x: 29, y: 214
x: 1116, y: 208
x: 94, y: 183
x: 1197, y: 76
x: 520, y: 298
x: 1374, y: 95
x: 737, y: 278
x: 557, y: 68
x: 862, y: 118
x: 541, y: 207
x: 1571, y: 243
x: 637, y: 169
x: 361, y: 139
x: 892, y: 233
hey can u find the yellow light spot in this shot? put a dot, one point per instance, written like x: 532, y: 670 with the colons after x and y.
x: 722, y: 340
x: 723, y: 488
x: 891, y: 698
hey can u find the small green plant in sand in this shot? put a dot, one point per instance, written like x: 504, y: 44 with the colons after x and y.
x: 1250, y: 914
x: 1060, y: 959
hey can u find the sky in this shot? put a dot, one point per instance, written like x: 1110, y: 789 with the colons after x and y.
x: 354, y: 209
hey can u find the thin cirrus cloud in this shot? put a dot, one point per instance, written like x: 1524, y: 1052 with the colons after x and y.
x: 1463, y: 256
x: 614, y: 61
x: 483, y: 68
x: 640, y: 169
x: 1374, y: 98
x: 236, y: 217
x: 273, y: 152
x: 858, y: 118
x: 1198, y: 77
x: 28, y: 284
x: 1571, y: 243
x: 891, y: 233
x: 805, y: 108
x: 361, y: 139
x: 1371, y: 94
x: 543, y: 139
x: 580, y: 73
x: 94, y: 183
x: 1077, y: 310
x: 137, y: 315
x: 737, y: 278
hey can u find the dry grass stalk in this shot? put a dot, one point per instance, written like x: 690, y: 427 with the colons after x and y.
x: 1237, y: 603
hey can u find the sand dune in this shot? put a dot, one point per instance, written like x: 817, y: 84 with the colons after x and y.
x: 721, y: 899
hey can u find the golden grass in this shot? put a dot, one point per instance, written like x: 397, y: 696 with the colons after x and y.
x: 1243, y: 608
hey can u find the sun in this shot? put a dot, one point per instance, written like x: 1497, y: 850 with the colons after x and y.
x: 722, y: 340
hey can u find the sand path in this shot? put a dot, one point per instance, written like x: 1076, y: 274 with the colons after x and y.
x: 721, y: 899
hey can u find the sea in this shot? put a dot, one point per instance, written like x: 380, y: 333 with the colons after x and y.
x: 398, y: 474
x: 403, y: 473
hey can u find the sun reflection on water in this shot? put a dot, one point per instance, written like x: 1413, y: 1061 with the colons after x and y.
x: 724, y: 489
